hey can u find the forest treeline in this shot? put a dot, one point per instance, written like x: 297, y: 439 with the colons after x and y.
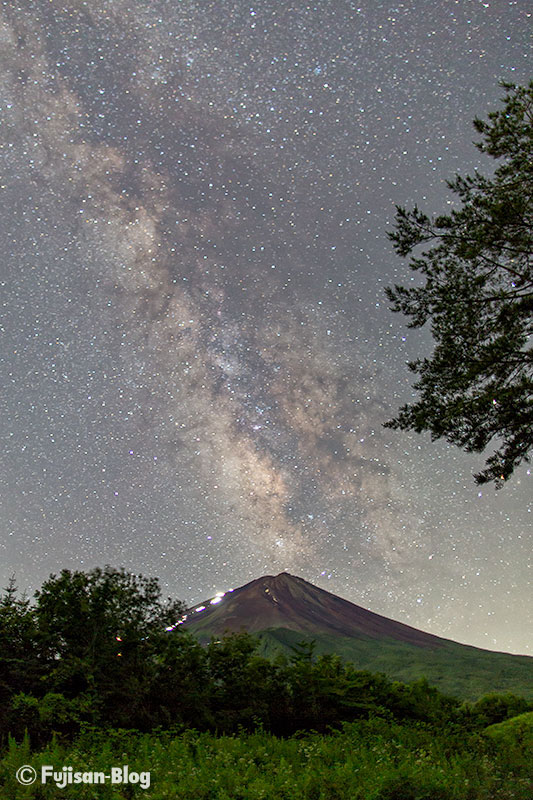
x: 93, y: 649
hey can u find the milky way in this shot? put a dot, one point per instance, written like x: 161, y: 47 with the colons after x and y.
x: 196, y: 347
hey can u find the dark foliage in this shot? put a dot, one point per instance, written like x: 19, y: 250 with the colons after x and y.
x: 94, y: 651
x: 477, y: 387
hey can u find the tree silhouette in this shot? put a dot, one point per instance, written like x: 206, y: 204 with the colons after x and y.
x: 476, y: 388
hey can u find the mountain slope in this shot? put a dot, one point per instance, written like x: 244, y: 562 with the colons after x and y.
x: 283, y: 610
x: 285, y: 601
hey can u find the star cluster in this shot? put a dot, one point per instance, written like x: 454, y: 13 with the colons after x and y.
x: 196, y: 349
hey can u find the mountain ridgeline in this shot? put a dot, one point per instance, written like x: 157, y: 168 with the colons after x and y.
x: 284, y: 610
x: 103, y: 649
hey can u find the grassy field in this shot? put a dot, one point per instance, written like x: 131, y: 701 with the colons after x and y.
x: 371, y: 760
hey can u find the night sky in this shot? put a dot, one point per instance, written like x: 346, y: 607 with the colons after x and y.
x: 197, y: 354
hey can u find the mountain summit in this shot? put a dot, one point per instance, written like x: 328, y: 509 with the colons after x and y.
x: 282, y: 610
x: 285, y: 601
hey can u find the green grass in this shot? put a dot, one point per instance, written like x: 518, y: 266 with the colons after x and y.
x: 515, y: 733
x: 370, y: 760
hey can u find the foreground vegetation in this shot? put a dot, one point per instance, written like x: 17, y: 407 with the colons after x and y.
x: 367, y: 760
x: 94, y: 676
x: 99, y: 649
